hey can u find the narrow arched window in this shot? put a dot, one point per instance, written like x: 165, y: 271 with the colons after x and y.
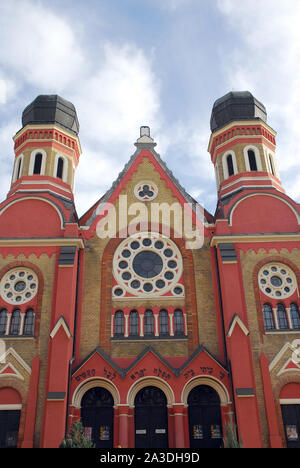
x: 3, y: 321
x: 15, y: 322
x: 119, y: 323
x: 230, y: 165
x: 281, y: 317
x: 268, y: 317
x: 18, y: 173
x: 271, y: 165
x: 252, y: 160
x: 163, y: 322
x: 148, y: 323
x: 60, y: 168
x: 37, y: 163
x: 133, y: 323
x: 29, y: 323
x: 178, y: 322
x: 295, y: 316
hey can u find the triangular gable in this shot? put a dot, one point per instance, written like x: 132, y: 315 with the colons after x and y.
x: 236, y: 320
x: 7, y: 358
x: 91, y: 218
x: 10, y: 371
x: 203, y: 362
x: 61, y: 323
x: 289, y: 365
x: 285, y: 352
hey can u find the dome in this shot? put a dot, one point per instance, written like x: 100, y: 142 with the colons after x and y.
x: 236, y: 105
x: 51, y: 109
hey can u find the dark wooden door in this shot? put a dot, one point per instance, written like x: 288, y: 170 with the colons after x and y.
x: 151, y: 419
x: 291, y: 421
x: 9, y: 428
x: 205, y: 421
x: 97, y: 416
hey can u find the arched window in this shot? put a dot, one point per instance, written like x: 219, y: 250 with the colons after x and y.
x: 178, y: 322
x: 163, y: 322
x: 60, y: 168
x: 148, y: 323
x: 29, y: 323
x: 252, y: 160
x: 268, y: 317
x: 281, y: 317
x: 15, y: 322
x: 37, y: 163
x: 271, y: 165
x: 133, y: 323
x: 119, y: 323
x: 230, y: 165
x: 18, y: 173
x: 3, y: 321
x: 295, y: 316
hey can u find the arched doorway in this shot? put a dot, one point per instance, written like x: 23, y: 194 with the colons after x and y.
x: 151, y: 418
x: 290, y: 409
x: 10, y: 411
x: 205, y: 420
x: 97, y: 415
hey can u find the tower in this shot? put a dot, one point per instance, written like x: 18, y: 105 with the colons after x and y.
x: 47, y: 148
x: 242, y: 146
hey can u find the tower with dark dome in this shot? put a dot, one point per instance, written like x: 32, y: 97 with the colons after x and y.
x: 242, y: 145
x: 47, y: 148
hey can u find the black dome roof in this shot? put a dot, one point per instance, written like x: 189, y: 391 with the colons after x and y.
x: 236, y: 105
x: 51, y: 109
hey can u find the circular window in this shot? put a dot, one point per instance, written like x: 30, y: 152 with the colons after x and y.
x: 153, y: 266
x: 277, y: 281
x: 19, y: 286
x: 145, y: 190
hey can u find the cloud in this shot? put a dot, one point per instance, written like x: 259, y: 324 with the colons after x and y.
x: 38, y: 45
x: 264, y: 59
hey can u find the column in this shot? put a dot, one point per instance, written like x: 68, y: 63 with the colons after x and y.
x: 180, y: 423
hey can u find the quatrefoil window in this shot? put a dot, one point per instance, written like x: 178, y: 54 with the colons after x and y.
x: 146, y: 190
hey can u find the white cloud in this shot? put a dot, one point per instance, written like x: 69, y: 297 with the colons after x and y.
x: 39, y: 46
x: 120, y: 95
x: 264, y: 59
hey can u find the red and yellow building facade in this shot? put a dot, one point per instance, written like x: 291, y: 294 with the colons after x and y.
x: 123, y: 323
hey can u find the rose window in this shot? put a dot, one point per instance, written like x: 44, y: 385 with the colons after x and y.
x: 19, y: 286
x: 146, y: 190
x: 147, y: 263
x: 277, y: 281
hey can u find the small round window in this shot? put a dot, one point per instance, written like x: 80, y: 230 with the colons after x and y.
x: 19, y: 286
x: 146, y: 190
x: 277, y: 281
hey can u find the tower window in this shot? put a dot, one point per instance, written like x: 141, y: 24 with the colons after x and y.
x: 119, y: 323
x: 133, y: 323
x: 60, y: 168
x: 252, y: 160
x: 268, y: 317
x: 29, y: 323
x: 37, y: 164
x: 295, y: 316
x: 3, y: 321
x: 230, y: 165
x: 271, y: 165
x: 178, y: 322
x: 281, y: 317
x: 148, y: 323
x: 15, y: 322
x: 19, y: 169
x: 163, y: 322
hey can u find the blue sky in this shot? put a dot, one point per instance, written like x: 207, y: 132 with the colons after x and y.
x: 162, y: 63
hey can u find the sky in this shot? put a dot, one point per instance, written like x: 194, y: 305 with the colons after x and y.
x: 161, y: 63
